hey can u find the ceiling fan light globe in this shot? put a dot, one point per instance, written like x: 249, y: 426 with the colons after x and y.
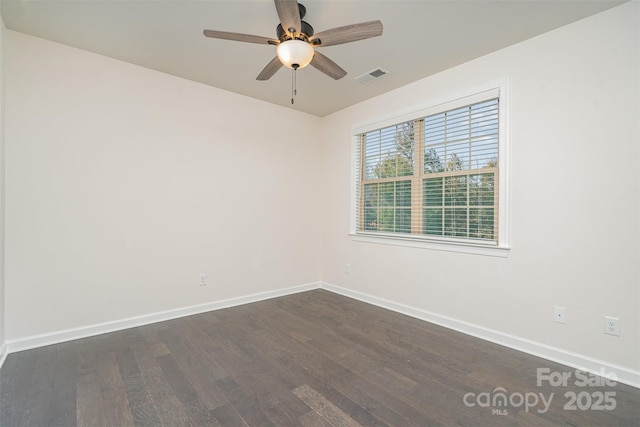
x: 295, y: 53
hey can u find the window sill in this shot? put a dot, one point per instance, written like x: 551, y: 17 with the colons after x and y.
x: 448, y: 246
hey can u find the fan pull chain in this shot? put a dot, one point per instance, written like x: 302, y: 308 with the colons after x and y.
x: 294, y: 83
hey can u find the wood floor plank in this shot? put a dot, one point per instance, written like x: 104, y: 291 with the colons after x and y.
x: 199, y: 371
x: 324, y: 370
x: 87, y: 356
x: 226, y: 415
x: 312, y: 359
x: 26, y: 386
x: 90, y: 407
x: 327, y: 410
x: 112, y: 390
x: 141, y: 406
x: 244, y: 404
x: 276, y: 401
x: 346, y: 378
x: 195, y: 409
x: 313, y: 419
x: 285, y: 355
x: 282, y: 341
x: 40, y: 391
x: 13, y: 386
x: 143, y: 410
x: 62, y: 409
x: 168, y: 408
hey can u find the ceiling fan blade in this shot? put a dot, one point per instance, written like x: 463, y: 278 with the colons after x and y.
x: 347, y: 34
x: 289, y: 15
x: 327, y: 66
x: 270, y: 69
x: 239, y: 37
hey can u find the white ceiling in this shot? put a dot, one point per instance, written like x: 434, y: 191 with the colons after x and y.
x: 420, y: 38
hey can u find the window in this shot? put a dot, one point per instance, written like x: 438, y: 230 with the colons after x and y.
x: 435, y: 177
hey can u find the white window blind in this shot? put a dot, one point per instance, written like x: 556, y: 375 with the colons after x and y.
x: 432, y: 177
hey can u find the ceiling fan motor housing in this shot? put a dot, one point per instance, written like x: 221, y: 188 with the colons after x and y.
x: 305, y: 32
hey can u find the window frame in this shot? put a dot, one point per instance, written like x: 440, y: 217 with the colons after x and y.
x: 494, y: 89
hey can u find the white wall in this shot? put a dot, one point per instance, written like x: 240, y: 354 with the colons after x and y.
x: 123, y: 184
x: 2, y: 299
x: 574, y: 197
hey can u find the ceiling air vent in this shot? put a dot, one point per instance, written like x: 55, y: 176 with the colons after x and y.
x: 372, y: 75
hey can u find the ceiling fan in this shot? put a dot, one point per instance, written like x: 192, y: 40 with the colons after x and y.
x: 296, y: 41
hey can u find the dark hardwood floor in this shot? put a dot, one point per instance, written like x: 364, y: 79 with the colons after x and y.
x: 310, y: 359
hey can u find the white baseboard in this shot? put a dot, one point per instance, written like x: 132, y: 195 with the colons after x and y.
x: 42, y: 340
x: 554, y: 354
x: 574, y: 360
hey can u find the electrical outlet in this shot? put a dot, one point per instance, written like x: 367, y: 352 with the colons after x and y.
x: 612, y: 326
x: 347, y: 269
x: 203, y: 279
x: 559, y: 314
